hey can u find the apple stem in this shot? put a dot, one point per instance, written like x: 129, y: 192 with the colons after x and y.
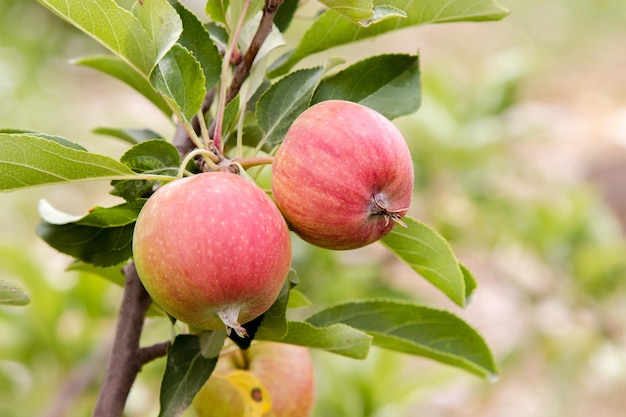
x: 256, y: 161
x: 229, y: 317
x: 380, y: 209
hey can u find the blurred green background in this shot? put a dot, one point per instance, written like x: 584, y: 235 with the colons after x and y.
x: 520, y: 156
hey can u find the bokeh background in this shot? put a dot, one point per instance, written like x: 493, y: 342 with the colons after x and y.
x: 520, y: 156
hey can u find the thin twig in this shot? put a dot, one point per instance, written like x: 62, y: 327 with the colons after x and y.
x: 243, y: 68
x: 181, y: 139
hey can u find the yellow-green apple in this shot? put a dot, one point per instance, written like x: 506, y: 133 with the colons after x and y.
x: 212, y: 249
x: 242, y: 379
x: 343, y: 175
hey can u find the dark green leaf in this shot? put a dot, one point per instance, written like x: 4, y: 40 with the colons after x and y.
x: 119, y: 69
x: 113, y: 274
x: 285, y: 14
x: 12, y: 296
x: 186, y: 371
x: 180, y: 79
x: 155, y: 156
x: 274, y: 324
x: 132, y: 136
x: 332, y: 29
x: 102, y: 238
x: 427, y: 253
x: 196, y: 38
x: 28, y: 161
x: 389, y: 84
x: 279, y: 106
x: 410, y: 328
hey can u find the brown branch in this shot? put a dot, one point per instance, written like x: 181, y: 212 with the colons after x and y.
x: 243, y: 68
x: 126, y: 359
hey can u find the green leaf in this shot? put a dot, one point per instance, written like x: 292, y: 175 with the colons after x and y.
x: 132, y: 136
x: 216, y: 9
x: 274, y: 324
x: 381, y: 13
x: 279, y: 106
x: 389, y: 84
x: 27, y: 160
x: 12, y: 296
x: 196, y: 38
x: 102, y: 238
x: 161, y: 22
x: 298, y: 300
x: 331, y: 29
x: 155, y: 156
x: 410, y: 328
x: 470, y: 283
x: 113, y: 26
x: 180, y: 79
x: 119, y: 69
x: 428, y: 254
x: 285, y: 14
x: 354, y: 10
x: 336, y: 338
x: 112, y: 274
x: 186, y: 371
x: 58, y: 139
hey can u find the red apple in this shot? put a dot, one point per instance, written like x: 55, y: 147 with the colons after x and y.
x: 212, y: 249
x: 343, y: 175
x: 283, y: 371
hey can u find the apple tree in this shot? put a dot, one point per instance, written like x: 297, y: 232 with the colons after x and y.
x: 196, y: 237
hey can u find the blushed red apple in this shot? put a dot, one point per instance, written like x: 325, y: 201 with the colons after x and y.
x: 284, y: 371
x: 343, y: 175
x: 212, y: 249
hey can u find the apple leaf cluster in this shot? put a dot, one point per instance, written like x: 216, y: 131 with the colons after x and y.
x: 216, y: 76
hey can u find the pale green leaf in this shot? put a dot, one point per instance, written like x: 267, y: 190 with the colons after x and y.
x: 414, y: 329
x: 12, y: 296
x: 354, y: 10
x: 161, y: 22
x: 427, y: 253
x: 117, y: 68
x: 331, y: 29
x: 113, y: 26
x: 28, y: 161
x: 132, y: 136
x: 381, y: 13
x: 336, y: 338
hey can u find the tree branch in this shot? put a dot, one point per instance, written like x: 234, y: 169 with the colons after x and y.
x: 126, y: 358
x: 243, y: 68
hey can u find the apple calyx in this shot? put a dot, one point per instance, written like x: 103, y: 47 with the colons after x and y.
x: 229, y: 316
x: 379, y: 208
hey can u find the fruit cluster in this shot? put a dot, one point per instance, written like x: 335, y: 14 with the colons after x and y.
x: 214, y: 249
